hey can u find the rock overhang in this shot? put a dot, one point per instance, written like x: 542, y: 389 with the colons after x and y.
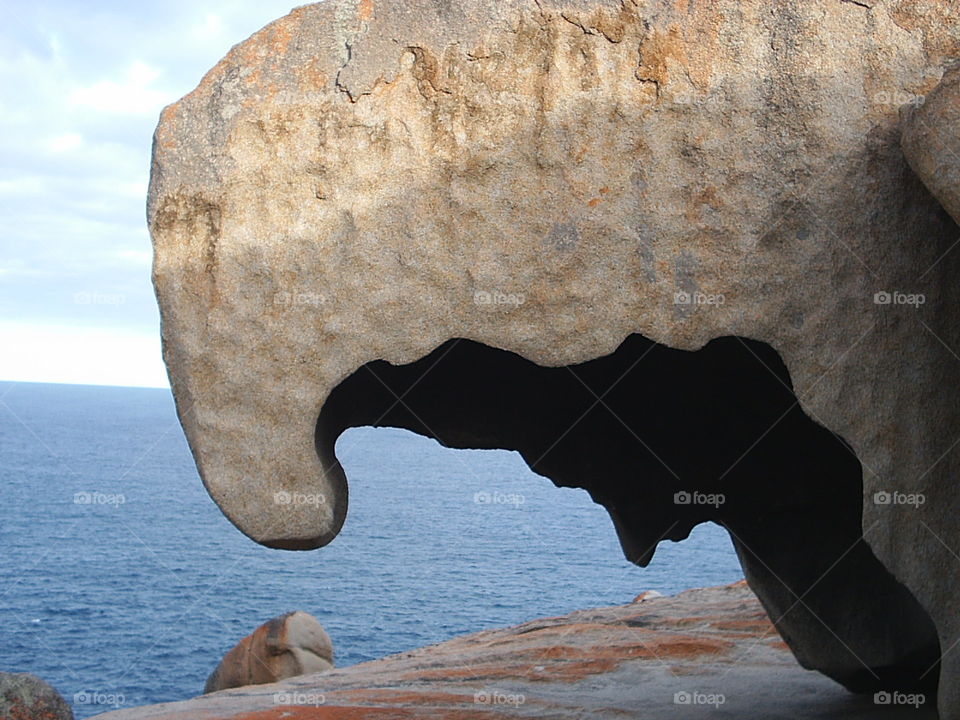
x: 363, y: 182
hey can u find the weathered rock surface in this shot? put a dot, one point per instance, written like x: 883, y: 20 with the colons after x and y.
x: 931, y: 140
x: 360, y: 182
x: 714, y: 647
x: 27, y: 697
x: 284, y: 647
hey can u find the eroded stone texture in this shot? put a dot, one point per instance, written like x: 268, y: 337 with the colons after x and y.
x: 727, y: 443
x: 628, y: 661
x: 284, y: 647
x: 363, y: 181
x: 27, y: 697
x: 931, y: 140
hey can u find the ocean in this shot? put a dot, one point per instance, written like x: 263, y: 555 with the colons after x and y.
x: 123, y: 584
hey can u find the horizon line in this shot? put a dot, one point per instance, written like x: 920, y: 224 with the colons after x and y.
x: 4, y: 381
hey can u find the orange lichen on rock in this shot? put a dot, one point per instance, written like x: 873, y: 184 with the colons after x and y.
x: 365, y: 10
x: 545, y: 668
x: 758, y: 625
x: 361, y: 712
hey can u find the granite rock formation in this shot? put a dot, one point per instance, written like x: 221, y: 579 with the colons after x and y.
x: 931, y: 140
x: 27, y: 697
x: 284, y: 647
x: 834, y: 603
x: 367, y: 193
x: 700, y: 654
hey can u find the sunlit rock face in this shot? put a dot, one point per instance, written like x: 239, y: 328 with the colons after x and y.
x: 362, y: 182
x: 283, y: 647
x: 703, y: 653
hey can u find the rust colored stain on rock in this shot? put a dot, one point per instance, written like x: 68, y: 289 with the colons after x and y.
x: 569, y: 663
x: 759, y: 625
x: 424, y: 698
x: 365, y: 11
x: 542, y: 661
x: 360, y: 712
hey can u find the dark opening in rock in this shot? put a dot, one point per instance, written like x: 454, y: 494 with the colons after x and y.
x: 666, y: 439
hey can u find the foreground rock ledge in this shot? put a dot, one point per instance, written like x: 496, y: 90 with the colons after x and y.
x: 362, y: 181
x: 641, y: 660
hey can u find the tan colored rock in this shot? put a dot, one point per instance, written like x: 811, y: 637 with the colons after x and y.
x: 363, y: 181
x: 931, y: 140
x: 703, y: 653
x: 284, y: 647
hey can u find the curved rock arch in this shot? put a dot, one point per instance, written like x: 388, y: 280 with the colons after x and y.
x: 341, y: 186
x: 666, y: 439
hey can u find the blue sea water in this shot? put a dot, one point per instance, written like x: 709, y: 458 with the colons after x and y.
x: 122, y: 584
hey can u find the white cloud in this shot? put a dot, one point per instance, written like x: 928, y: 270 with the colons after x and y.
x: 136, y: 257
x: 132, y: 95
x: 82, y: 95
x: 136, y: 189
x: 15, y: 270
x: 23, y: 187
x: 97, y: 356
x: 65, y: 142
x: 212, y: 25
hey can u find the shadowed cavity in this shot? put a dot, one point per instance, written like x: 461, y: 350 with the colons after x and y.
x: 666, y: 439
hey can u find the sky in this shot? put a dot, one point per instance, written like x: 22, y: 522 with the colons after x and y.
x: 82, y: 89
